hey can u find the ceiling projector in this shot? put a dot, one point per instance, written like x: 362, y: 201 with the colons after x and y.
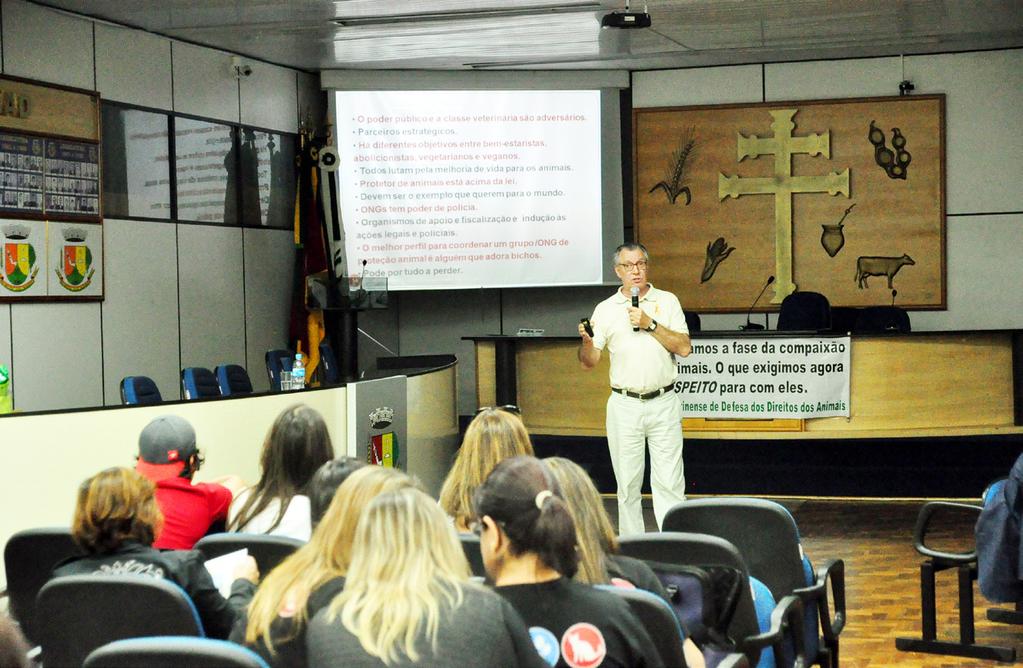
x: 625, y: 19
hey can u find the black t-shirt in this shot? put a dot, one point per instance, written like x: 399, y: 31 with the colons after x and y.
x: 289, y: 642
x: 577, y: 626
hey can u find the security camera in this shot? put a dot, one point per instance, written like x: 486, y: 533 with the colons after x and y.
x: 240, y: 68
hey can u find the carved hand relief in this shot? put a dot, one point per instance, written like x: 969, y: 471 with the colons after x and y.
x: 717, y: 252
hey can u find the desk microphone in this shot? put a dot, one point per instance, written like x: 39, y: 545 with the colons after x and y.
x: 894, y: 292
x: 750, y: 326
x: 635, y: 303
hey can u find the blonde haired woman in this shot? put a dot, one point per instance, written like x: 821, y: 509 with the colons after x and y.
x: 306, y: 581
x: 495, y: 434
x: 596, y: 541
x: 408, y: 600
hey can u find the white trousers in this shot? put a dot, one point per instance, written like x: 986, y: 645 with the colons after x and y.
x: 631, y: 424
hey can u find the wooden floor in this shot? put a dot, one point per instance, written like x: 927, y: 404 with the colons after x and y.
x: 875, y: 539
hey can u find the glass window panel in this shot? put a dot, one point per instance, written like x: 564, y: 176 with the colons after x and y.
x: 268, y: 178
x: 205, y: 162
x: 136, y: 172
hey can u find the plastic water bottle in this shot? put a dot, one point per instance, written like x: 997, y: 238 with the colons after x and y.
x: 298, y: 373
x: 6, y: 405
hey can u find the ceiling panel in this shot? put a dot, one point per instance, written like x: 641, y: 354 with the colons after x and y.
x: 456, y: 34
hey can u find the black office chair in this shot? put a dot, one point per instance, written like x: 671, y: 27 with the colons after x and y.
x: 276, y: 361
x: 692, y: 321
x: 471, y: 546
x: 658, y: 619
x: 966, y: 566
x: 268, y: 551
x: 806, y: 311
x: 29, y: 558
x: 173, y: 652
x: 233, y: 380
x: 328, y: 363
x: 79, y: 613
x: 199, y: 383
x: 843, y: 319
x: 880, y: 319
x: 745, y: 619
x: 766, y: 535
x: 137, y: 390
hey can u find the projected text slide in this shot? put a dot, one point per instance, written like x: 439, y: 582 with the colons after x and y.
x: 456, y: 189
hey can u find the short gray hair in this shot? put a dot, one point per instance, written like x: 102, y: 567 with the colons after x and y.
x: 630, y: 247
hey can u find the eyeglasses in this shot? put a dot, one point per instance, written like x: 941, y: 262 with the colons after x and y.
x: 507, y: 408
x: 633, y: 266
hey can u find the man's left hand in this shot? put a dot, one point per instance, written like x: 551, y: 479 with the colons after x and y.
x: 638, y: 318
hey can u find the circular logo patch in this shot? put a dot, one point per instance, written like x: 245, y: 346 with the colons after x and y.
x: 583, y: 646
x: 546, y: 644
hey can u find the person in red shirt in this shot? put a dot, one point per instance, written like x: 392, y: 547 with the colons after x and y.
x: 168, y: 456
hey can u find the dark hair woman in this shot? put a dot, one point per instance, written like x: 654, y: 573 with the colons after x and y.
x: 297, y: 444
x: 527, y: 538
x: 116, y: 520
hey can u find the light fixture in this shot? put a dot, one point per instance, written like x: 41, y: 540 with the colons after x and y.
x: 465, y: 14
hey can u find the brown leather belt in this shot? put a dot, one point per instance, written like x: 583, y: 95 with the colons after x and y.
x: 643, y: 396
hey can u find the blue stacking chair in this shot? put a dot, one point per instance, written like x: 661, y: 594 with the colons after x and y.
x: 199, y: 383
x: 276, y: 361
x: 233, y: 380
x: 173, y: 652
x: 328, y: 362
x: 767, y: 537
x: 79, y: 613
x: 136, y: 390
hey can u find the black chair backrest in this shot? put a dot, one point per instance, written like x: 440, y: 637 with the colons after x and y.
x: 471, y: 546
x: 29, y: 558
x: 692, y: 321
x: 268, y: 551
x: 277, y: 360
x: 233, y: 380
x: 874, y: 319
x: 199, y: 383
x: 139, y: 390
x: 805, y: 311
x: 328, y: 362
x: 659, y: 621
x: 693, y: 549
x: 78, y: 613
x: 763, y: 531
x: 843, y: 318
x: 173, y: 652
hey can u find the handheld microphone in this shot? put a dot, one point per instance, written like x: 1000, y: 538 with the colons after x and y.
x: 751, y: 326
x: 894, y: 292
x: 635, y: 303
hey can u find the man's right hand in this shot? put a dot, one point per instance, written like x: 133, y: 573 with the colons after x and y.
x: 588, y: 354
x: 587, y: 339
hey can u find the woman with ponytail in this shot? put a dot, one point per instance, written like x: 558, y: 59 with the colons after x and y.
x: 528, y: 542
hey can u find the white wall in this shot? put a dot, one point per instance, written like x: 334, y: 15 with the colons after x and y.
x: 176, y: 294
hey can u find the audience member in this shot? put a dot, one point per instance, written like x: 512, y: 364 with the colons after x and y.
x: 13, y: 648
x: 527, y: 539
x: 296, y: 445
x: 116, y: 519
x: 309, y: 579
x: 325, y: 481
x: 495, y: 434
x: 408, y: 599
x: 168, y: 456
x: 595, y: 538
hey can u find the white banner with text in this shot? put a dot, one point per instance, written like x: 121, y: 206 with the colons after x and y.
x: 765, y: 378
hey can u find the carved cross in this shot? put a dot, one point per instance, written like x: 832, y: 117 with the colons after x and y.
x: 783, y: 184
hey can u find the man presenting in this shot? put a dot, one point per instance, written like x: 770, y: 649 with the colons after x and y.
x: 642, y: 341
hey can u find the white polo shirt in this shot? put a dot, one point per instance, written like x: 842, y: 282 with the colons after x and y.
x: 638, y: 361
